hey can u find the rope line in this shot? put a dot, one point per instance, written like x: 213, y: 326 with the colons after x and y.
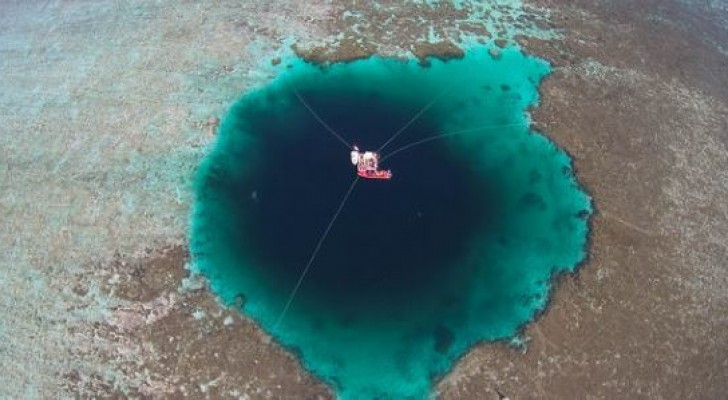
x: 321, y: 121
x: 315, y: 253
x: 412, y: 120
x: 422, y: 111
x: 431, y: 138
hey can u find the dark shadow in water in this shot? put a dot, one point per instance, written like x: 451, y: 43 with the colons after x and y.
x: 458, y: 247
x: 394, y: 241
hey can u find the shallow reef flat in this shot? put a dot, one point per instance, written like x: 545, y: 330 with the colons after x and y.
x: 108, y: 107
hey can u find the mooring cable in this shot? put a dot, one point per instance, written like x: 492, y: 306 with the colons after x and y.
x: 315, y: 253
x: 321, y: 121
x: 431, y: 138
x: 422, y: 111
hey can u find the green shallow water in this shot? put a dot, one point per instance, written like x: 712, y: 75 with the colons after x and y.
x: 458, y: 248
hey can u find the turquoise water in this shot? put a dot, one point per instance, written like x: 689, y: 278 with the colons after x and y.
x: 459, y: 247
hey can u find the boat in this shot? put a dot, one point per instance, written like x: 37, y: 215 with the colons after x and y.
x: 375, y: 174
x: 367, y: 164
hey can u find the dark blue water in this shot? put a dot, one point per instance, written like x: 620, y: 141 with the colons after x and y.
x: 459, y: 247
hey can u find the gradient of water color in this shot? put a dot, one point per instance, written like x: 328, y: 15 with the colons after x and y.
x: 459, y: 247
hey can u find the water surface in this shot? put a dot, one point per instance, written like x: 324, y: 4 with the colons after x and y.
x: 459, y: 247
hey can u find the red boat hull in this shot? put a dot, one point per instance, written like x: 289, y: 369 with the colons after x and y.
x: 375, y: 174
